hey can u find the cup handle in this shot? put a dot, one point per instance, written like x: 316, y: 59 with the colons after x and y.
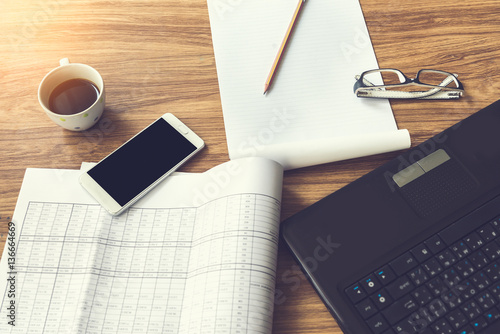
x: 64, y: 61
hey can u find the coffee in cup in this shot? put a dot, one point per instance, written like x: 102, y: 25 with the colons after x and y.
x: 72, y: 95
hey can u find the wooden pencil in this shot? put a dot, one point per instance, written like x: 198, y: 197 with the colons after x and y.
x: 284, y: 43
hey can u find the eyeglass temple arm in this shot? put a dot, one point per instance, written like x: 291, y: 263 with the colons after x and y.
x: 433, y: 93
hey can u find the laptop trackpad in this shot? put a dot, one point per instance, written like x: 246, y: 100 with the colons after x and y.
x: 434, y: 182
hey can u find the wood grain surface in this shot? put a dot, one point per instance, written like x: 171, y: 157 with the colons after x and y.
x: 156, y: 56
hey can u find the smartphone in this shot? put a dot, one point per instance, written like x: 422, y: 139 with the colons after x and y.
x: 136, y: 167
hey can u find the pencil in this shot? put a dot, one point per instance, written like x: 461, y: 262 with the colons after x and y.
x: 282, y: 47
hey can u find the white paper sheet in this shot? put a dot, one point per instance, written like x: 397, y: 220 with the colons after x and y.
x: 197, y: 254
x: 311, y: 99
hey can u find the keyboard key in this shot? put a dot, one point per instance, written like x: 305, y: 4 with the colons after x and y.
x: 481, y: 281
x: 495, y: 291
x: 474, y: 241
x: 433, y: 267
x: 452, y: 298
x: 446, y: 258
x: 377, y: 324
x: 426, y: 316
x: 437, y: 308
x: 450, y: 277
x: 465, y: 268
x: 382, y: 299
x: 460, y: 249
x: 418, y: 276
x: 442, y: 327
x: 422, y: 295
x: 485, y: 300
x: 467, y: 330
x: 487, y: 233
x: 493, y: 272
x: 471, y: 310
x: 400, y: 309
x: 400, y: 287
x: 494, y: 328
x: 435, y: 244
x: 366, y: 308
x: 410, y: 325
x: 479, y: 259
x: 496, y: 225
x: 385, y: 275
x: 422, y: 253
x: 492, y: 251
x: 437, y: 286
x: 470, y: 290
x: 456, y: 319
x: 370, y: 284
x: 403, y: 264
x: 414, y: 324
x: 480, y: 323
x: 356, y: 293
x: 492, y: 315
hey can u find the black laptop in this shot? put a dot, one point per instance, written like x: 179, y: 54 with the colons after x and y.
x: 413, y: 246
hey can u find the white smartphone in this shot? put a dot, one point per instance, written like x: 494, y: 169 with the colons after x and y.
x: 137, y: 166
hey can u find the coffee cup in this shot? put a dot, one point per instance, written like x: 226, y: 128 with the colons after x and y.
x: 72, y: 95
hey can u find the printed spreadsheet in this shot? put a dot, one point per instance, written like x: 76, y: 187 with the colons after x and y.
x: 207, y: 269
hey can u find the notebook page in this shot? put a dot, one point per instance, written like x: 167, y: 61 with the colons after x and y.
x: 311, y: 98
x: 127, y: 273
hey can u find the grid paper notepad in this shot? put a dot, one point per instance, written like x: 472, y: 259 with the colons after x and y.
x: 207, y: 267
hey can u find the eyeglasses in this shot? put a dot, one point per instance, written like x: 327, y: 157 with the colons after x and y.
x: 392, y: 83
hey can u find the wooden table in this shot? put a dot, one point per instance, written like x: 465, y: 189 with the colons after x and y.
x: 156, y: 56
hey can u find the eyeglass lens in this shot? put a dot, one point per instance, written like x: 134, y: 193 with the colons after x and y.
x: 437, y: 78
x: 390, y: 77
x: 385, y: 77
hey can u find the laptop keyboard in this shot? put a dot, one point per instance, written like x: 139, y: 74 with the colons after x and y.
x: 445, y: 285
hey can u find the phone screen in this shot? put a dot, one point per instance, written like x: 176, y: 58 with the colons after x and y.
x: 141, y: 161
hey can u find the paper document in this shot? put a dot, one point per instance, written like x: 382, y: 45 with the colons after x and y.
x: 197, y: 254
x: 310, y: 115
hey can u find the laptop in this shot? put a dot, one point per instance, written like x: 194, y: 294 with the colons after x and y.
x: 413, y: 246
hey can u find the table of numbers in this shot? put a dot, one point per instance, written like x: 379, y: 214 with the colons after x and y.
x: 209, y: 269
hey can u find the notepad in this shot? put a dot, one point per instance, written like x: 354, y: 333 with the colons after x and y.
x: 197, y: 254
x: 310, y: 115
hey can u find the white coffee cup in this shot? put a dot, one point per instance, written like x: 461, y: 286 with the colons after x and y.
x: 66, y: 71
